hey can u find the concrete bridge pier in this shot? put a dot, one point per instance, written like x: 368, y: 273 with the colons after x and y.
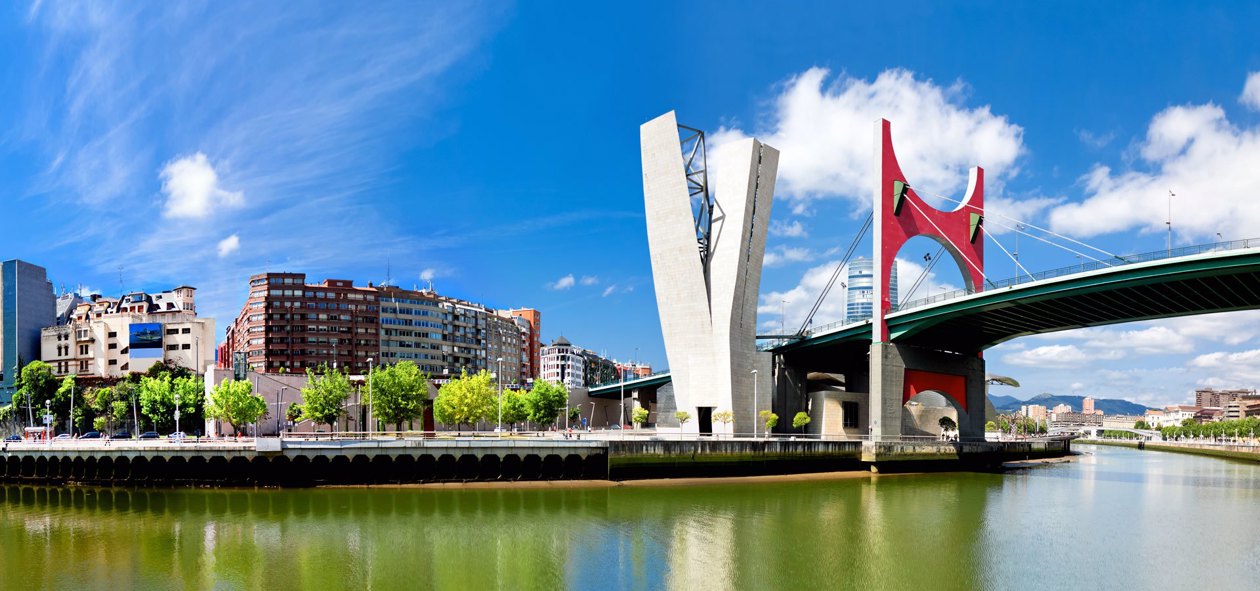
x: 900, y: 372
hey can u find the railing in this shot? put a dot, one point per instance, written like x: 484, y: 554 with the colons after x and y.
x: 630, y: 380
x: 1084, y: 267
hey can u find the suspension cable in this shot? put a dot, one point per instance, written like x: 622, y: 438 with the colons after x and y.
x: 836, y: 274
x: 1073, y: 251
x: 1008, y: 253
x: 1034, y: 226
x: 946, y: 238
x: 926, y: 270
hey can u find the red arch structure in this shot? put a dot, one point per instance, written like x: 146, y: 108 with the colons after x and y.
x: 901, y: 215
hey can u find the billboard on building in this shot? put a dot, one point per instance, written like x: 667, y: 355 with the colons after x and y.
x: 145, y: 341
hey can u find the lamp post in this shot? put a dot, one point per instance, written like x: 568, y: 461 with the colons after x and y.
x: 498, y: 377
x: 280, y: 409
x: 1169, y: 222
x: 70, y: 421
x: 371, y: 401
x: 47, y: 419
x: 754, y: 375
x: 177, y: 414
x: 621, y: 416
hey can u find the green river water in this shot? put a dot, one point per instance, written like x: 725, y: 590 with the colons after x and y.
x: 1116, y: 518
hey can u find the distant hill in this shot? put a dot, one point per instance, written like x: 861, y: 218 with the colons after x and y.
x: 1110, y: 406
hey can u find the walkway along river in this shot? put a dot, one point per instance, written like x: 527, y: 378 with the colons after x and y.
x: 1114, y: 519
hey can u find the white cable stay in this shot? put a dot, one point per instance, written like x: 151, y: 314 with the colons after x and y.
x: 946, y: 238
x: 1008, y: 253
x: 1020, y: 222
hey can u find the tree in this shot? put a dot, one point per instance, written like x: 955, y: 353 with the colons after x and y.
x: 157, y: 401
x: 990, y: 426
x: 683, y: 417
x: 800, y: 420
x: 397, y: 393
x: 1141, y: 425
x: 293, y: 414
x: 235, y: 403
x: 324, y: 396
x: 947, y: 424
x: 575, y: 414
x: 639, y: 416
x: 545, y: 401
x: 465, y: 400
x: 514, y: 408
x: 725, y: 417
x: 101, y: 400
x: 769, y: 419
x: 35, y: 384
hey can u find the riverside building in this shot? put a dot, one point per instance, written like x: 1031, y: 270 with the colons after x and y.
x: 26, y: 306
x: 289, y: 325
x: 110, y: 337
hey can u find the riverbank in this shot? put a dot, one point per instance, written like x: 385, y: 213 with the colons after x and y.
x: 1233, y: 452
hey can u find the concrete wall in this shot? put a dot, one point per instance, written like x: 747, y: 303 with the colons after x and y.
x: 708, y: 316
x: 889, y: 362
x: 827, y: 414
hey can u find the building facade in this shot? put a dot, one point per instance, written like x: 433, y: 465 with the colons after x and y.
x: 533, y: 320
x: 1209, y: 397
x: 860, y: 295
x: 27, y: 305
x: 111, y: 337
x: 288, y: 325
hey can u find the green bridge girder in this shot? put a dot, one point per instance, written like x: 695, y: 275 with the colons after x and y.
x: 1199, y: 284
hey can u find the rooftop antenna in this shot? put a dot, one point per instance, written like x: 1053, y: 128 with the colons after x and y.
x: 122, y: 290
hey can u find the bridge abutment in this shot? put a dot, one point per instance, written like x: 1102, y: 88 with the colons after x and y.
x: 900, y: 372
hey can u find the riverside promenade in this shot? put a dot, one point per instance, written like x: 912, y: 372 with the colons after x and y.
x: 380, y: 459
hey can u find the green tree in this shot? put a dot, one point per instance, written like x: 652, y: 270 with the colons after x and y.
x: 515, y: 410
x: 947, y: 424
x: 683, y: 417
x: 293, y: 414
x: 465, y: 400
x: 235, y: 403
x: 157, y: 401
x: 397, y: 393
x: 800, y: 420
x: 725, y: 417
x: 639, y: 416
x: 324, y: 396
x: 545, y: 401
x: 101, y: 400
x: 35, y: 384
x: 990, y: 426
x: 769, y: 420
x: 1141, y: 425
x: 575, y: 414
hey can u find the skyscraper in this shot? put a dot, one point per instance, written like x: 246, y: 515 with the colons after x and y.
x: 27, y: 305
x: 860, y: 303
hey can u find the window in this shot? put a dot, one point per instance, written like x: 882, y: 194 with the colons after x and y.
x: 172, y: 331
x: 113, y: 335
x: 185, y: 346
x: 172, y: 347
x: 113, y: 345
x: 185, y: 330
x: 83, y: 349
x: 113, y: 362
x: 849, y: 409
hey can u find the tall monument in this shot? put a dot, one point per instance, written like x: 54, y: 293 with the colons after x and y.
x: 707, y: 248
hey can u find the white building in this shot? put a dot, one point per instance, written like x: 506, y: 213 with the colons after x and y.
x: 111, y: 337
x: 563, y: 363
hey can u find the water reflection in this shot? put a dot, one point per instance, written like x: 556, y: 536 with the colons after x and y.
x: 1107, y: 517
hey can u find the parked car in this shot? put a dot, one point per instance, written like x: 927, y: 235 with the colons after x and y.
x: 13, y: 438
x: 121, y: 435
x: 150, y: 435
x: 91, y: 435
x: 177, y: 435
x: 63, y: 437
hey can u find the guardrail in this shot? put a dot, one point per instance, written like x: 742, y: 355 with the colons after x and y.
x: 631, y: 380
x: 1083, y: 267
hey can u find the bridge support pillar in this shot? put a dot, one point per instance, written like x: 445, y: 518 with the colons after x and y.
x: 898, y: 372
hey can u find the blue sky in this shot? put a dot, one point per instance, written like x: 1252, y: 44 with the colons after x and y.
x: 493, y: 148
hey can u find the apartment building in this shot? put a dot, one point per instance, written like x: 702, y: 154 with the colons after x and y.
x: 110, y: 337
x: 26, y: 306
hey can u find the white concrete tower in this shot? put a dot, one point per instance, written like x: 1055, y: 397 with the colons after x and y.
x: 706, y: 266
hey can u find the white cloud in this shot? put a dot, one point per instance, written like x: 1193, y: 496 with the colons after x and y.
x: 229, y: 245
x: 1156, y: 340
x: 783, y: 255
x: 428, y: 274
x: 794, y: 229
x: 1191, y: 150
x: 1251, y: 91
x: 825, y: 132
x: 1057, y: 357
x: 563, y: 283
x: 192, y: 189
x: 589, y: 280
x: 1094, y: 140
x: 609, y: 290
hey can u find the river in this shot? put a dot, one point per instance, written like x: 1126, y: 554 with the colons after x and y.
x: 1115, y: 518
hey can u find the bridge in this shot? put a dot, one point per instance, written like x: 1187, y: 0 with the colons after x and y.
x: 883, y: 377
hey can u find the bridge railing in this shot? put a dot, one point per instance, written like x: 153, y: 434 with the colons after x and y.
x: 1086, y: 266
x: 631, y: 380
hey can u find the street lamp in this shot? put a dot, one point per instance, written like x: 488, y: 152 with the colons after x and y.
x: 754, y: 375
x: 280, y: 409
x: 371, y: 401
x: 498, y: 377
x: 621, y: 416
x: 177, y: 414
x: 47, y: 419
